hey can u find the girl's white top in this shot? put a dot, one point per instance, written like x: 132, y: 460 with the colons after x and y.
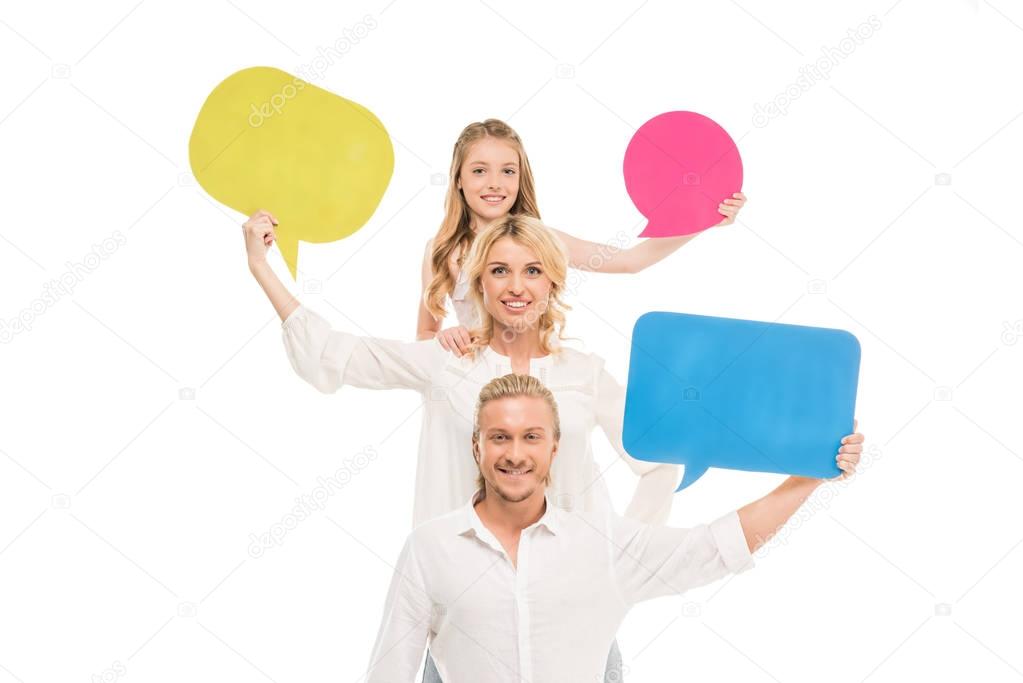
x: 465, y: 309
x: 586, y: 394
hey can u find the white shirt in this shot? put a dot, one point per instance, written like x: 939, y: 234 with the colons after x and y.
x: 465, y: 308
x: 553, y: 618
x: 586, y: 394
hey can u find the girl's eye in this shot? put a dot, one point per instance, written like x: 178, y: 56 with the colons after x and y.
x: 477, y: 170
x: 509, y: 171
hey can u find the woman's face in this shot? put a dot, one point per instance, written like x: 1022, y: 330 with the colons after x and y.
x: 489, y: 178
x: 516, y: 289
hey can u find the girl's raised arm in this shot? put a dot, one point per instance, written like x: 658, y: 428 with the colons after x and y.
x: 586, y: 255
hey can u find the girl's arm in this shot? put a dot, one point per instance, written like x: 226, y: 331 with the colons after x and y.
x: 454, y: 339
x: 602, y: 258
x: 427, y: 326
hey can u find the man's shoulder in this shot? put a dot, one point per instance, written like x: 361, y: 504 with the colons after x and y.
x: 438, y: 528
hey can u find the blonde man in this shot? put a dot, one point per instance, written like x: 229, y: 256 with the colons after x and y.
x: 510, y: 587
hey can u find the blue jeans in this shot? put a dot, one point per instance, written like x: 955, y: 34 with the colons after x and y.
x: 612, y: 674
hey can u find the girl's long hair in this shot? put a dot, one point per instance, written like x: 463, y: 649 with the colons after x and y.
x: 455, y: 234
x: 538, y: 238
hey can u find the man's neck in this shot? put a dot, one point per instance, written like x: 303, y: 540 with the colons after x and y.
x: 502, y: 516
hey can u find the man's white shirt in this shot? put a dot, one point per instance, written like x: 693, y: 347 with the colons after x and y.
x: 555, y: 615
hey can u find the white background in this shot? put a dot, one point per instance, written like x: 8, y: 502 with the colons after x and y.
x: 150, y: 421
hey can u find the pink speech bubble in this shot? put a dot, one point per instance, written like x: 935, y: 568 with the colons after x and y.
x: 678, y: 167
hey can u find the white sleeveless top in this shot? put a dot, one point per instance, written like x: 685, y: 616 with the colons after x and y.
x: 465, y: 309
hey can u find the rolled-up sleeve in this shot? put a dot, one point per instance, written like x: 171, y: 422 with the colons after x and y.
x: 654, y: 561
x: 329, y: 359
x: 652, y: 499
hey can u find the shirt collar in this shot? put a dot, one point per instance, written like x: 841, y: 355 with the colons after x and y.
x: 550, y: 520
x: 538, y: 367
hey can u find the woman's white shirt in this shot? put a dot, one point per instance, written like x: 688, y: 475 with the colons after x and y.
x: 587, y: 396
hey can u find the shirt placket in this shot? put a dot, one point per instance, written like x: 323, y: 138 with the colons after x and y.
x: 522, y: 606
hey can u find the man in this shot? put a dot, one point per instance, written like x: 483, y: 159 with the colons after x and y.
x: 513, y: 588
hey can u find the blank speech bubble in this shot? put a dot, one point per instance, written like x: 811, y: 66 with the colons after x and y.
x: 739, y: 394
x: 678, y: 167
x: 265, y: 139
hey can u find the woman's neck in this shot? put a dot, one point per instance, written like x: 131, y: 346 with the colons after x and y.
x: 517, y: 345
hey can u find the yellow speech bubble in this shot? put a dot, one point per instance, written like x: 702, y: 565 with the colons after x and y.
x: 318, y: 162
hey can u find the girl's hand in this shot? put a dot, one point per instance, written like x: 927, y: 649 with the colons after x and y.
x: 849, y: 454
x: 730, y: 208
x: 259, y: 235
x: 455, y: 339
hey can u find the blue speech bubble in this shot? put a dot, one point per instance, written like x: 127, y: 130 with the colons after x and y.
x: 740, y: 394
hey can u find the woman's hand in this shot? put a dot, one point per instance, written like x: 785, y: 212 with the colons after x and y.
x: 729, y: 208
x: 455, y: 339
x: 259, y: 235
x: 849, y: 454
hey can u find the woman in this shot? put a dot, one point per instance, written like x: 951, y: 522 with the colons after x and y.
x: 490, y: 178
x: 517, y: 271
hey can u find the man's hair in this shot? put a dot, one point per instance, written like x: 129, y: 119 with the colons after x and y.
x: 512, y: 386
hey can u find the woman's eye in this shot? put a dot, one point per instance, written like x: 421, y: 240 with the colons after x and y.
x: 533, y: 270
x: 499, y: 270
x: 477, y: 170
x: 509, y: 171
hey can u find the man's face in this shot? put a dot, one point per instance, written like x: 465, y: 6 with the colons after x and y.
x: 516, y: 446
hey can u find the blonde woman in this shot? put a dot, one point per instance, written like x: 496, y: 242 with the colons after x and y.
x: 490, y: 178
x: 517, y: 270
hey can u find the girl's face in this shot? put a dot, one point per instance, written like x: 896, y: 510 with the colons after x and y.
x: 489, y: 178
x: 516, y: 289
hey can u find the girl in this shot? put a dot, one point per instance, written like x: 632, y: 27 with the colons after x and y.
x: 490, y: 179
x: 516, y: 272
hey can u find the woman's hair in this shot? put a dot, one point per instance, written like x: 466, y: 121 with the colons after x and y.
x: 538, y: 238
x: 455, y: 232
x: 512, y: 386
